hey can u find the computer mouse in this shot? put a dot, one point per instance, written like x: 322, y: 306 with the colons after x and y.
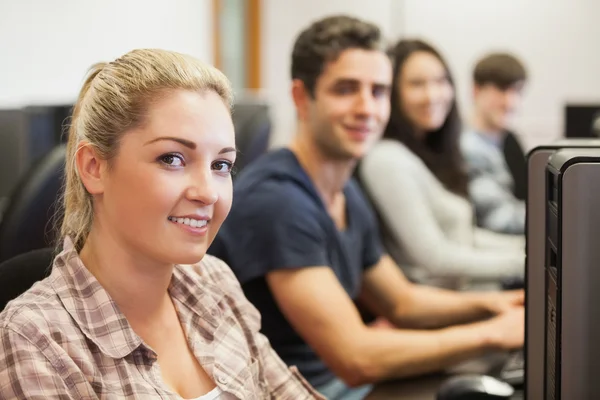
x: 474, y: 387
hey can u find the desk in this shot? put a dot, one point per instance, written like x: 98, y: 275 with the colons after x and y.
x: 426, y: 387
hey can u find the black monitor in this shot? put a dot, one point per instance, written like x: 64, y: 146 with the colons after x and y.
x: 582, y: 120
x: 572, y: 321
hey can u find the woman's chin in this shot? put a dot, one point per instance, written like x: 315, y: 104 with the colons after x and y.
x: 434, y: 125
x: 189, y: 258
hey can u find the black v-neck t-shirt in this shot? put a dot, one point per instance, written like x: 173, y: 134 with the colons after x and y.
x: 278, y: 221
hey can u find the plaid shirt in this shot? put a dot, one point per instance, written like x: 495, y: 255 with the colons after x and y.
x: 65, y: 338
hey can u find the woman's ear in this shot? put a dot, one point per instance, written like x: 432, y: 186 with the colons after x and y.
x: 91, y: 168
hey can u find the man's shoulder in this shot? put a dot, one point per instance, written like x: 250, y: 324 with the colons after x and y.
x: 275, y: 183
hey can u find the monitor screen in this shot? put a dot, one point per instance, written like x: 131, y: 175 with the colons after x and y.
x: 582, y: 120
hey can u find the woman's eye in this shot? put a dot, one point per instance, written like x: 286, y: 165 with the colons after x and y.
x: 223, y: 166
x: 172, y: 160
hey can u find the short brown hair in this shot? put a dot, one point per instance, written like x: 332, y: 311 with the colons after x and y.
x: 502, y: 70
x: 324, y: 40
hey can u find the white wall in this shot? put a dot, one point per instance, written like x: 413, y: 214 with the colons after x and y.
x: 282, y: 22
x: 47, y: 46
x: 557, y: 39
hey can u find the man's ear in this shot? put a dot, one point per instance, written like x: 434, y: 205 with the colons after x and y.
x: 302, y: 98
x: 91, y: 168
x: 476, y: 90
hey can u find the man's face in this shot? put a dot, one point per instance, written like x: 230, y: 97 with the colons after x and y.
x: 351, y: 104
x: 496, y: 106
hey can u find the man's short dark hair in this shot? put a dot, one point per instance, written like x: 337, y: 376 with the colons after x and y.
x: 324, y: 40
x: 502, y: 70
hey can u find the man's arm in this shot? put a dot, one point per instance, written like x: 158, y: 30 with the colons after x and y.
x: 387, y: 292
x: 317, y: 306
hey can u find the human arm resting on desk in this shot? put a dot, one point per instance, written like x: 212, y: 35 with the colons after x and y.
x: 320, y: 310
x: 388, y: 175
x: 407, y: 305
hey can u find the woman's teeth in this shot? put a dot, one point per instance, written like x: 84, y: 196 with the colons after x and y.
x: 194, y: 223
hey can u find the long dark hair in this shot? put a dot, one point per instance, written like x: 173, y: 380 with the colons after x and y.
x: 440, y: 149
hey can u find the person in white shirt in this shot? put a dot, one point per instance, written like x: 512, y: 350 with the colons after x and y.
x: 417, y: 181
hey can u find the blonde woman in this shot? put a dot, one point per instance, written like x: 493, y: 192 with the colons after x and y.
x: 133, y: 307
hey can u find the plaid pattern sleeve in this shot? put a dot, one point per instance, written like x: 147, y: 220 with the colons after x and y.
x: 26, y: 373
x: 281, y: 382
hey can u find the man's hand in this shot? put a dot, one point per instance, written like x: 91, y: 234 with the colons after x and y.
x: 500, y: 302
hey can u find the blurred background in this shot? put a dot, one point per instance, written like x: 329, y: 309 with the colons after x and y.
x: 47, y: 46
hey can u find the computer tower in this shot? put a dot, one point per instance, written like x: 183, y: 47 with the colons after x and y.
x: 535, y: 299
x: 572, y: 323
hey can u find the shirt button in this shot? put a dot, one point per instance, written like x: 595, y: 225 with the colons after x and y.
x: 222, y: 379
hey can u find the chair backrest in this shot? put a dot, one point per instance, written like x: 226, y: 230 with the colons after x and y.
x: 27, y: 219
x: 19, y: 273
x: 517, y: 164
x: 252, y: 131
x: 13, y: 149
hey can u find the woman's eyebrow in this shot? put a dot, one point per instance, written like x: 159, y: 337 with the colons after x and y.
x: 184, y: 142
x: 228, y: 150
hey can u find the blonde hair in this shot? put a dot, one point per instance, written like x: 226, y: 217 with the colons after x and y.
x: 114, y: 99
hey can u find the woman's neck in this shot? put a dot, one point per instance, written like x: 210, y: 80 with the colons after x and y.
x: 139, y: 286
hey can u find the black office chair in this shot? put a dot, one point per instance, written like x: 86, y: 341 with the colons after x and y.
x: 517, y: 164
x: 27, y: 221
x: 252, y: 131
x: 19, y: 273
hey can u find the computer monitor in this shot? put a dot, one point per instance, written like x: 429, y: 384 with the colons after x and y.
x: 535, y: 299
x: 582, y: 120
x: 572, y: 322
